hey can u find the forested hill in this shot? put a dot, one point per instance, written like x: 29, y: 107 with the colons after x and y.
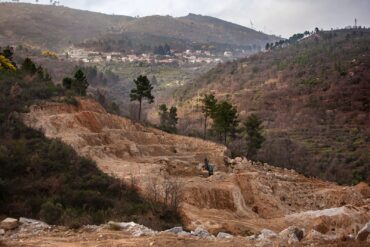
x: 313, y: 96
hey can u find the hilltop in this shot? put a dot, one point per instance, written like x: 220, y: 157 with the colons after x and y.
x: 56, y: 27
x: 313, y: 97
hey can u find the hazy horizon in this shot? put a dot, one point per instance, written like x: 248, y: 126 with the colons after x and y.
x: 283, y: 17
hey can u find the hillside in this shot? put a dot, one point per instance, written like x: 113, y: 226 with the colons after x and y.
x: 46, y: 179
x: 241, y: 198
x: 56, y: 27
x: 313, y: 97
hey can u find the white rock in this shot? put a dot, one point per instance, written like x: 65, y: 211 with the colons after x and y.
x: 238, y: 160
x: 252, y: 237
x: 224, y: 235
x: 201, y: 232
x: 35, y: 224
x: 136, y: 230
x: 9, y: 224
x: 175, y: 230
x: 363, y: 233
x: 266, y: 234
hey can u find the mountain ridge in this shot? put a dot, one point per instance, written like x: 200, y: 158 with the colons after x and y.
x: 59, y: 26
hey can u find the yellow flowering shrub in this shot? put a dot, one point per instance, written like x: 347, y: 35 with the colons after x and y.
x: 6, y: 64
x: 49, y: 54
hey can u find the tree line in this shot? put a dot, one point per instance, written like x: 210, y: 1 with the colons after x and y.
x: 226, y: 124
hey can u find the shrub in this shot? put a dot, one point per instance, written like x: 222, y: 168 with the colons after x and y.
x: 70, y: 100
x: 51, y: 212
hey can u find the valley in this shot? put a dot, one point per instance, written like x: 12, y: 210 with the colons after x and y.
x: 183, y: 130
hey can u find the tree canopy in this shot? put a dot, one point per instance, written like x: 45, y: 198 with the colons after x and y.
x: 225, y: 119
x: 143, y: 90
x: 253, y: 134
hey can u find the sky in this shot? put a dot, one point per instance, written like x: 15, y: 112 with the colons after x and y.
x: 279, y: 17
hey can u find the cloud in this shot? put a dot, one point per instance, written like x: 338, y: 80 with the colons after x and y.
x: 284, y: 17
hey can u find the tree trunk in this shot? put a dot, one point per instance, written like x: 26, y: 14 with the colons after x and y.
x: 205, y: 127
x: 225, y: 136
x: 139, y: 109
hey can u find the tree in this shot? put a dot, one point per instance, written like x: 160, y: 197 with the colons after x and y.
x: 253, y: 133
x: 163, y: 112
x: 173, y: 119
x: 67, y: 83
x: 168, y: 119
x: 29, y: 66
x: 267, y: 46
x: 80, y: 83
x: 142, y: 91
x: 225, y: 119
x: 208, y: 108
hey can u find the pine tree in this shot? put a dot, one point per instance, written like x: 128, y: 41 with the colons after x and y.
x: 208, y: 108
x: 225, y: 119
x: 253, y: 133
x: 142, y: 91
x: 80, y: 83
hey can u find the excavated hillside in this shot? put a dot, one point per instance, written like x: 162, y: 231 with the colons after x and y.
x: 241, y: 197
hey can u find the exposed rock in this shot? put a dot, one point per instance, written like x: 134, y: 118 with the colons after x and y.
x: 292, y: 234
x: 35, y: 224
x: 176, y: 230
x: 224, y: 235
x: 363, y: 234
x: 2, y: 231
x: 136, y: 230
x: 238, y: 160
x: 267, y: 234
x: 317, y: 236
x: 201, y: 232
x: 9, y: 224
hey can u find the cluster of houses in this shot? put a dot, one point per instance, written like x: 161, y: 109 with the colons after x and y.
x: 187, y: 57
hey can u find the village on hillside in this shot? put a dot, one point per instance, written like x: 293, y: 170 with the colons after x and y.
x: 180, y: 58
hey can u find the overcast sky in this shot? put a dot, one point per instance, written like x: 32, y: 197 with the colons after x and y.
x: 280, y: 17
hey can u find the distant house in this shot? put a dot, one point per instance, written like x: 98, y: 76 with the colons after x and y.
x: 228, y: 54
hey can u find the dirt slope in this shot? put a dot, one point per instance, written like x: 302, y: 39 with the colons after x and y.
x: 240, y: 197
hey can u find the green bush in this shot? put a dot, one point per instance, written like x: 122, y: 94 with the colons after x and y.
x: 51, y: 213
x: 70, y: 100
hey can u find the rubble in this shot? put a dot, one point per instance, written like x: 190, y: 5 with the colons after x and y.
x: 176, y: 230
x: 134, y: 229
x: 9, y: 224
x: 201, y: 233
x: 364, y: 233
x: 292, y: 234
x: 224, y: 235
x: 266, y: 234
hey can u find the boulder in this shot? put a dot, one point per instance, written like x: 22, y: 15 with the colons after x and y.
x: 9, y: 224
x: 201, y: 232
x: 2, y: 231
x: 292, y: 234
x: 175, y: 230
x: 224, y: 235
x: 238, y: 159
x: 363, y: 234
x: 267, y: 234
x: 136, y: 230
